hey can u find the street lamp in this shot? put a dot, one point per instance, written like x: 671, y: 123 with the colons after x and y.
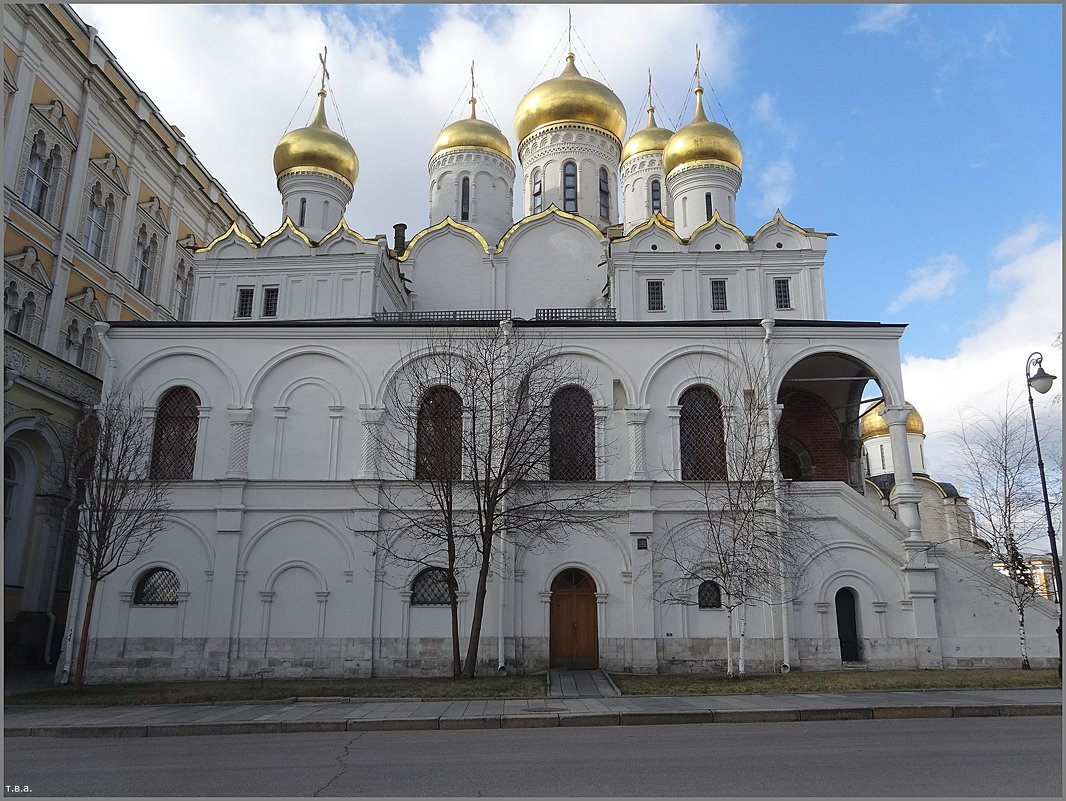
x: 1042, y: 382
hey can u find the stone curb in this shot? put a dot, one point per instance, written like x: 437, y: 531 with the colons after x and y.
x: 532, y: 721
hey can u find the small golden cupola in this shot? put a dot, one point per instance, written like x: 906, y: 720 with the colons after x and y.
x: 316, y: 148
x: 316, y: 169
x: 472, y: 134
x: 570, y: 97
x: 472, y: 174
x: 702, y: 141
x: 873, y: 425
x: 649, y: 139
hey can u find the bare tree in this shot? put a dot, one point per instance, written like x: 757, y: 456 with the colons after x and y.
x: 746, y: 534
x: 997, y: 454
x: 111, y: 511
x: 470, y: 417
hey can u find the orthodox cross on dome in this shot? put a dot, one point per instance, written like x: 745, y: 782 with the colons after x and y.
x: 473, y: 99
x: 651, y: 105
x: 325, y: 72
x: 569, y: 30
x: 699, y: 85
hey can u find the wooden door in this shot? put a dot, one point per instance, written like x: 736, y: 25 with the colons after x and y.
x: 573, y: 640
x: 847, y: 627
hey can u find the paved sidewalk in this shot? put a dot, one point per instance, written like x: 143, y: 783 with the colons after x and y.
x: 340, y: 714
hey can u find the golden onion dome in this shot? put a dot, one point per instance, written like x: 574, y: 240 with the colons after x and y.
x: 872, y: 424
x: 651, y: 139
x: 472, y: 133
x: 317, y: 149
x: 702, y: 140
x: 570, y: 97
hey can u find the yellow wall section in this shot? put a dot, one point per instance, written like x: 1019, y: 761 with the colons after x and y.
x: 42, y: 93
x: 10, y: 59
x: 15, y: 243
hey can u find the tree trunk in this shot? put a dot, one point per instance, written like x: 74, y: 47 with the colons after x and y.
x: 83, y: 640
x: 741, y: 665
x: 479, y: 613
x: 729, y: 644
x: 1021, y: 638
x: 457, y: 665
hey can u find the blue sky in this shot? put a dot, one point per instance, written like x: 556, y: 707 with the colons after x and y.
x: 928, y: 138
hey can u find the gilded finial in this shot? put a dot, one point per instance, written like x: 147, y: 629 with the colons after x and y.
x: 473, y: 97
x: 325, y: 72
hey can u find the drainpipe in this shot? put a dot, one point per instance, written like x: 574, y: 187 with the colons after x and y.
x: 779, y: 511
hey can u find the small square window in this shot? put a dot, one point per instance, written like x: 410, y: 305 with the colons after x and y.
x: 655, y: 296
x: 782, y: 296
x: 270, y: 301
x: 718, y: 297
x: 245, y: 298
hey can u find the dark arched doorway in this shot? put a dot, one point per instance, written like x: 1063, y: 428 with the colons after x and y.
x: 847, y: 626
x: 573, y: 640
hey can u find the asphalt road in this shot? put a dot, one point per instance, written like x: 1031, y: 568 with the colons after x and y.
x: 941, y: 757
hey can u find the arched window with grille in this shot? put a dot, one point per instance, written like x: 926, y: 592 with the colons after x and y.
x: 605, y: 194
x: 85, y: 349
x: 181, y: 289
x: 439, y: 439
x: 430, y: 588
x: 177, y: 421
x: 12, y: 309
x: 656, y: 197
x: 570, y: 186
x: 464, y: 207
x: 70, y: 346
x: 157, y: 587
x: 709, y: 595
x: 537, y: 200
x: 572, y: 422
x: 702, y: 436
x: 142, y: 260
x: 95, y: 223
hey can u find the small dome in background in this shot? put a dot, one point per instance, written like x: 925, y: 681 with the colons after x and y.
x: 873, y: 425
x: 650, y: 139
x: 472, y: 133
x: 702, y: 140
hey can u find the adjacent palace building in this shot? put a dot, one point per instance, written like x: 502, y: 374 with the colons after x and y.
x: 267, y: 362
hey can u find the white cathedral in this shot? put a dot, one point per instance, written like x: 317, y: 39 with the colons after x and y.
x: 265, y: 404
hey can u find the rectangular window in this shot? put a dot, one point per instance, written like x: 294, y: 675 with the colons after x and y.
x: 270, y: 301
x: 718, y: 298
x: 782, y: 296
x: 245, y: 297
x: 709, y: 203
x: 655, y: 296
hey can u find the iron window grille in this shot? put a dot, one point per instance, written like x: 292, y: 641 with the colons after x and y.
x: 270, y: 301
x: 245, y: 301
x: 718, y: 296
x: 157, y: 587
x: 655, y: 296
x: 572, y: 424
x: 709, y: 596
x: 177, y: 421
x: 439, y: 438
x: 702, y: 436
x: 782, y: 296
x: 430, y: 588
x: 656, y: 197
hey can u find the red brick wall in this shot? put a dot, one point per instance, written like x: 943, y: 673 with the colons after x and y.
x: 809, y: 420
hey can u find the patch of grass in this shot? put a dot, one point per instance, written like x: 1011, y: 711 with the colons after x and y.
x: 237, y: 690
x: 832, y: 682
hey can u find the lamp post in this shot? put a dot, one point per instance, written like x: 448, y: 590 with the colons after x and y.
x: 1042, y: 382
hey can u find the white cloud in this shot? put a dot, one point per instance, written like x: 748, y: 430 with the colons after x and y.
x: 930, y: 281
x: 1025, y: 315
x: 775, y: 186
x: 881, y: 18
x: 230, y: 77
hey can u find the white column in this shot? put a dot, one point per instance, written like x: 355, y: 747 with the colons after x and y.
x: 635, y: 419
x: 240, y: 420
x: 373, y: 417
x: 904, y: 493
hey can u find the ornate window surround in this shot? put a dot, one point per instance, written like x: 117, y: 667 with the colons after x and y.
x: 26, y: 272
x: 104, y: 173
x: 49, y: 123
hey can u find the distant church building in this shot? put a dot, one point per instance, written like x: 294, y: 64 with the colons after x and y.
x: 628, y: 254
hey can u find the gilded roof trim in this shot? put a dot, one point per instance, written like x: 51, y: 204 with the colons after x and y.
x: 656, y: 221
x: 288, y: 225
x: 779, y: 219
x: 551, y: 210
x: 690, y: 165
x: 316, y: 171
x: 233, y: 230
x: 716, y: 220
x: 342, y: 228
x: 447, y: 222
